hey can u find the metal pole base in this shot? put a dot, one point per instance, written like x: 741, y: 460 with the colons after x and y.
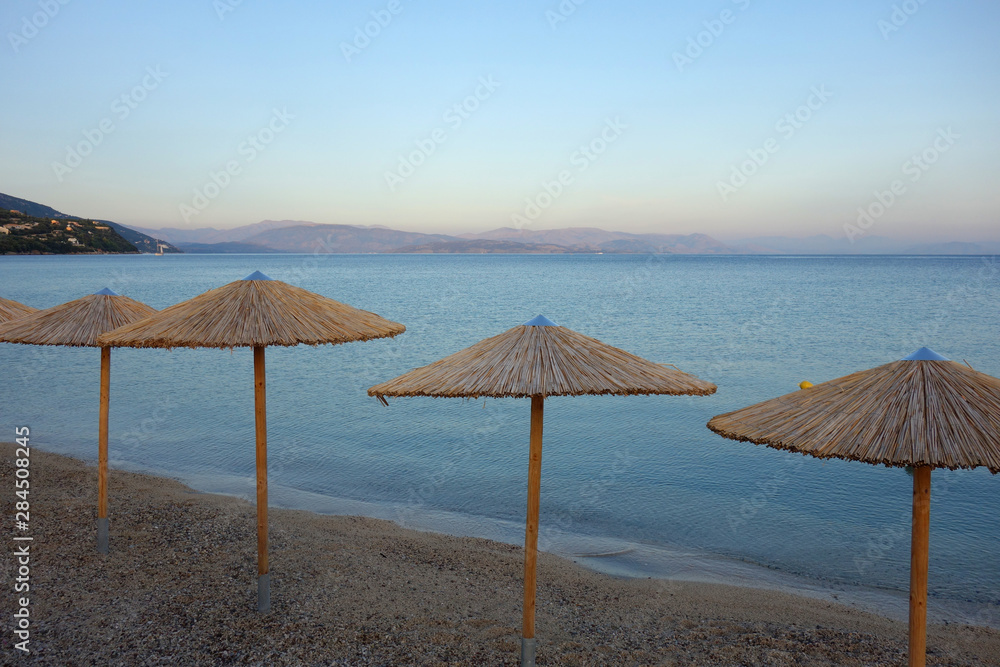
x: 528, y: 652
x: 102, y: 536
x: 264, y: 593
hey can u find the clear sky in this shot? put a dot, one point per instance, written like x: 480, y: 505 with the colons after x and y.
x: 125, y: 109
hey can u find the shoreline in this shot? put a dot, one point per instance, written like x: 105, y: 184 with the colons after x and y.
x: 178, y: 588
x: 612, y: 556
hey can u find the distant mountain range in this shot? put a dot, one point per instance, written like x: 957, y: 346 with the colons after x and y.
x: 341, y: 238
x: 209, y: 235
x: 591, y: 239
x: 226, y: 247
x: 296, y: 236
x: 486, y: 247
x: 142, y: 242
x: 307, y: 237
x: 300, y: 236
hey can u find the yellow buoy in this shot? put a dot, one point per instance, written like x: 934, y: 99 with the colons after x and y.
x: 805, y: 384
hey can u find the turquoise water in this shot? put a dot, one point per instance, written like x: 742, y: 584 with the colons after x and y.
x: 642, y: 469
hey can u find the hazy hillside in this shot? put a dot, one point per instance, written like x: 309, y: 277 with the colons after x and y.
x: 341, y: 238
x: 569, y: 236
x: 204, y: 235
x: 142, y: 242
x: 226, y: 248
x: 690, y: 244
x: 486, y: 246
x: 594, y: 239
x: 307, y: 237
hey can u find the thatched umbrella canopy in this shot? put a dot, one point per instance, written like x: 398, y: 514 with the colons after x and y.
x: 255, y: 312
x: 78, y: 324
x: 12, y: 310
x: 540, y: 359
x: 923, y: 411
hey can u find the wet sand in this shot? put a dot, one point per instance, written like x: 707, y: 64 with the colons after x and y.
x: 179, y: 588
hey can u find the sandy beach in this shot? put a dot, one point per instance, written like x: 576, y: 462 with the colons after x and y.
x: 179, y: 587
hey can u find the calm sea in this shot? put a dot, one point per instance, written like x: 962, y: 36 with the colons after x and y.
x: 639, y: 475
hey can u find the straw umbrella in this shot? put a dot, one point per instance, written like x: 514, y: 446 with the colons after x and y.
x: 78, y: 324
x: 255, y: 312
x: 923, y: 411
x: 539, y: 359
x: 12, y: 310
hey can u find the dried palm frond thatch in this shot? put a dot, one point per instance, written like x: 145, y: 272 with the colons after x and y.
x: 12, y: 310
x: 922, y: 411
x: 76, y: 323
x: 539, y: 359
x: 906, y: 413
x: 542, y: 361
x: 254, y: 313
x: 79, y: 323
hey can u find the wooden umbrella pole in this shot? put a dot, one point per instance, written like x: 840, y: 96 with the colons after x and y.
x: 531, y: 532
x: 919, y: 547
x: 260, y: 410
x: 102, y: 453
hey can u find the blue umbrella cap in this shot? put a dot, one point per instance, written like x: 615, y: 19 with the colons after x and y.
x: 257, y: 275
x: 107, y: 291
x: 540, y: 321
x: 925, y: 354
